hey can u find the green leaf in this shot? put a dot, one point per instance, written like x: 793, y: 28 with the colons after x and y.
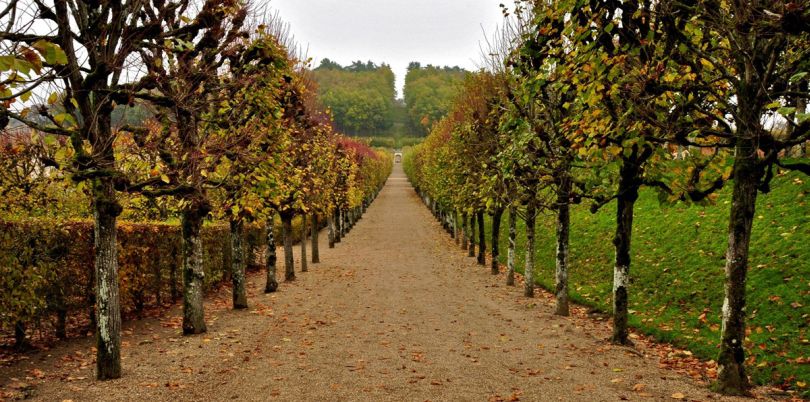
x: 798, y: 76
x: 164, y: 178
x: 52, y: 53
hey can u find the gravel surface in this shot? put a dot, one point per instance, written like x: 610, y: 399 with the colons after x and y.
x: 395, y: 313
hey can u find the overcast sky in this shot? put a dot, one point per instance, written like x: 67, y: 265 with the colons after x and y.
x: 396, y: 32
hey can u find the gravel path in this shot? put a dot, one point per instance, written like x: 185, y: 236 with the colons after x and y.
x: 395, y: 313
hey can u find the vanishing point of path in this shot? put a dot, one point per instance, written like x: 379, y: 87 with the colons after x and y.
x: 396, y: 312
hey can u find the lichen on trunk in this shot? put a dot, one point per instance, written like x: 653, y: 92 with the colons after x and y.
x: 238, y: 264
x: 496, y: 234
x: 731, y: 376
x: 563, y: 230
x: 528, y: 273
x: 482, y: 239
x: 193, y: 274
x: 471, y: 250
x: 510, y: 253
x: 270, y: 256
x: 628, y: 194
x: 108, y: 313
x: 330, y: 224
x: 465, y: 232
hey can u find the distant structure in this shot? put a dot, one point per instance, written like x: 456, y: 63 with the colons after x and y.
x: 398, y: 157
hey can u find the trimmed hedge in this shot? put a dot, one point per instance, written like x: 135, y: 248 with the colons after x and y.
x: 46, y: 270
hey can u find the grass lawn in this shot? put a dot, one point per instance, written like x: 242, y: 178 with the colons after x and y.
x: 677, y: 274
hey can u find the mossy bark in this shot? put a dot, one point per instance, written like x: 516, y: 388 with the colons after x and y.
x: 238, y: 264
x: 270, y: 258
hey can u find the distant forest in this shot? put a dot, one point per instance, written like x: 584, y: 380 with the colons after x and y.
x: 362, y: 97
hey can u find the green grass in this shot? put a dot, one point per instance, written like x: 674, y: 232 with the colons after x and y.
x: 677, y: 272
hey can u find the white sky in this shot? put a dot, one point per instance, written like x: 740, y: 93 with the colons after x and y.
x: 396, y: 32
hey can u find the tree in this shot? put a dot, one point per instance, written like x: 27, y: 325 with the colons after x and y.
x: 746, y: 61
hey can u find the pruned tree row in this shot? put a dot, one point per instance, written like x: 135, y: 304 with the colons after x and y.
x: 226, y: 126
x: 590, y: 101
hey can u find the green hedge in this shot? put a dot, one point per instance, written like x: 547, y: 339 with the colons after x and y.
x: 46, y: 270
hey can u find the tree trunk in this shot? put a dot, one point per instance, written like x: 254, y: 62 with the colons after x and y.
x: 482, y: 239
x: 456, y: 231
x: 304, y: 238
x: 61, y: 322
x: 465, y: 232
x: 272, y: 282
x: 108, y: 311
x: 20, y: 340
x: 330, y: 224
x: 336, y: 221
x: 496, y: 234
x: 316, y: 256
x: 628, y: 194
x: 176, y: 262
x: 563, y: 227
x: 289, y: 264
x: 238, y: 265
x: 193, y: 274
x: 510, y: 254
x: 528, y: 272
x: 731, y: 377
x: 471, y: 250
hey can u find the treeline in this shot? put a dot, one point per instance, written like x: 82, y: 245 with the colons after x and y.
x: 360, y: 96
x: 234, y: 133
x: 428, y: 93
x: 592, y: 102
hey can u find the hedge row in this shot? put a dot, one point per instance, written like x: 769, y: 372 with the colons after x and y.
x: 46, y: 271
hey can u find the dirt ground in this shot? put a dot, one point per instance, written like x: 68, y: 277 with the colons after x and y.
x: 395, y: 313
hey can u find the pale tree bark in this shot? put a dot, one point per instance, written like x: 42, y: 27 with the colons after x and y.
x: 471, y: 250
x: 330, y: 224
x: 193, y: 274
x: 108, y: 312
x: 270, y: 257
x: 510, y: 254
x: 304, y: 239
x: 289, y: 263
x: 456, y: 231
x: 628, y: 194
x: 316, y: 257
x: 482, y: 239
x: 528, y: 273
x: 563, y: 229
x: 238, y: 264
x: 496, y: 235
x: 465, y: 232
x: 731, y: 376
